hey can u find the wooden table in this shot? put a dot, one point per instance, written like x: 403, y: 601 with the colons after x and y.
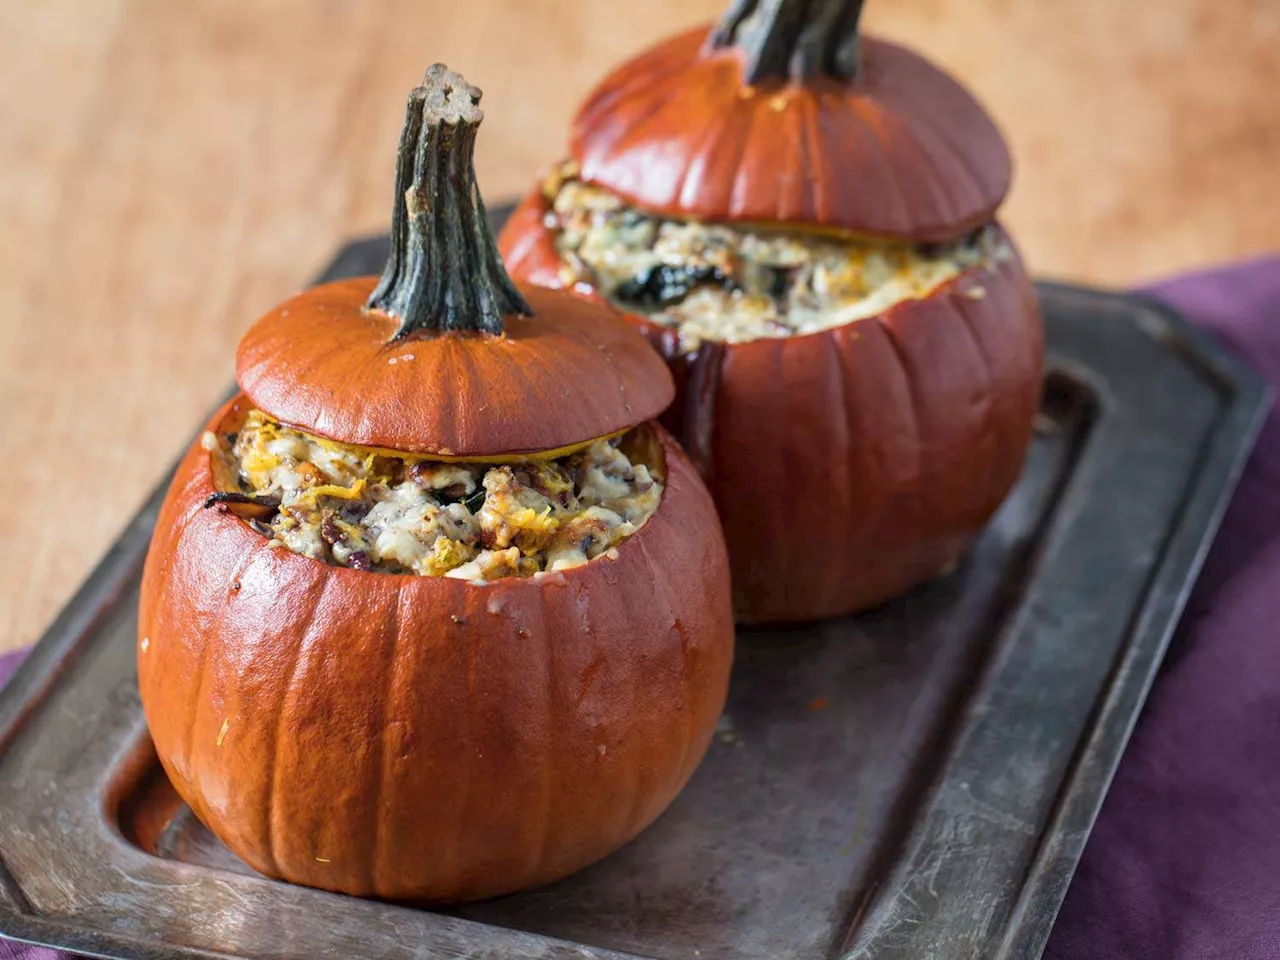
x: 169, y: 170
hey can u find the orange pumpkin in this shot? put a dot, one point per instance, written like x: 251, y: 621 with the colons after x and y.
x: 419, y: 737
x: 851, y: 463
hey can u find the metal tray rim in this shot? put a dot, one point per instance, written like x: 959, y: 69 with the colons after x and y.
x: 1221, y: 463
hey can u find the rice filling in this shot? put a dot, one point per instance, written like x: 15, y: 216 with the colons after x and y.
x: 713, y: 281
x: 474, y: 521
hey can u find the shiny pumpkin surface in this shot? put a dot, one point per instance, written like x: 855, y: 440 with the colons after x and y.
x: 423, y: 738
x: 426, y: 738
x: 900, y: 151
x: 568, y: 374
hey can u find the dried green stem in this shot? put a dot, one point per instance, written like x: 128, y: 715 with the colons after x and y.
x: 797, y: 40
x: 444, y: 272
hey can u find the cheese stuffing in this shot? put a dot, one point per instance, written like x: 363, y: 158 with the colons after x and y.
x: 475, y: 521
x: 735, y: 284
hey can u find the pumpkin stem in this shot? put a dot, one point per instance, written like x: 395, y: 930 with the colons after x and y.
x: 445, y: 271
x: 796, y: 40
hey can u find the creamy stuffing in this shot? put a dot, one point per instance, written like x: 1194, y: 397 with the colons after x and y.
x: 716, y: 282
x: 475, y: 521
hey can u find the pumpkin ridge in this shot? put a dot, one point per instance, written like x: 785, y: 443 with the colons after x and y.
x: 346, y: 379
x: 943, y: 199
x: 462, y: 367
x: 635, y: 792
x: 192, y: 495
x: 535, y: 387
x: 659, y: 576
x: 943, y: 138
x: 620, y: 380
x: 820, y: 199
x: 202, y: 659
x: 391, y: 630
x: 688, y: 483
x: 578, y: 354
x: 843, y: 473
x: 848, y: 342
x: 316, y: 593
x: 576, y: 387
x: 744, y: 181
x: 697, y: 153
x: 741, y: 186
x: 990, y: 438
x: 160, y: 566
x: 547, y: 768
x: 856, y: 129
x: 934, y: 143
x: 796, y: 201
x: 933, y: 113
x: 1008, y: 301
x: 703, y: 378
x: 781, y: 391
x: 883, y: 129
x: 744, y: 121
x: 735, y: 129
x: 555, y: 607
x: 470, y: 613
x: 870, y: 458
x: 915, y: 496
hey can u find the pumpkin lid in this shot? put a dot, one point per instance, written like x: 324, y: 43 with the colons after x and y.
x: 445, y: 354
x: 783, y: 113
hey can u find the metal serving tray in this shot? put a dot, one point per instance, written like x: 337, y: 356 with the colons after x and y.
x: 914, y: 783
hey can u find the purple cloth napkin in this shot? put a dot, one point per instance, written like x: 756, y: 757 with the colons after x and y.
x: 1184, y: 861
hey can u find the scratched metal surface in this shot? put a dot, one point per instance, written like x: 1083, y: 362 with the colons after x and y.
x: 913, y: 783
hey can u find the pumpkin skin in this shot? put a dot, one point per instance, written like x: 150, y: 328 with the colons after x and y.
x: 851, y: 464
x: 422, y: 738
x: 902, y: 151
x: 319, y: 363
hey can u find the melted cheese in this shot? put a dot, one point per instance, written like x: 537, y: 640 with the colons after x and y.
x: 744, y: 282
x: 355, y: 507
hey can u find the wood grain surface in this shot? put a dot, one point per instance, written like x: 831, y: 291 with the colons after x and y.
x: 170, y: 169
